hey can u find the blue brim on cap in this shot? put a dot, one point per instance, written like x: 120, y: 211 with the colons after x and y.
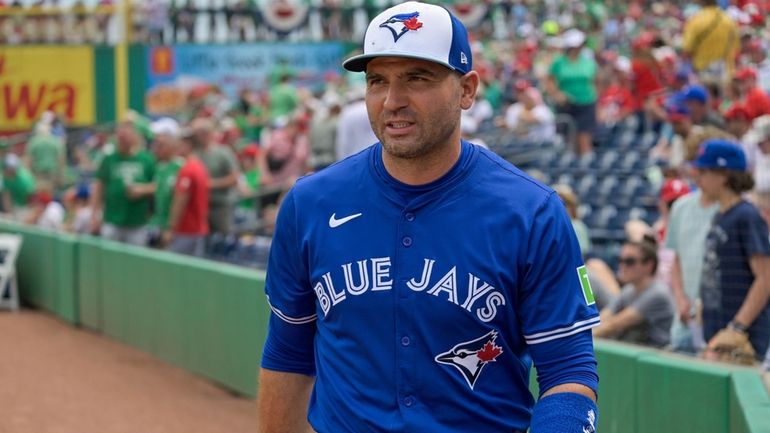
x: 358, y: 63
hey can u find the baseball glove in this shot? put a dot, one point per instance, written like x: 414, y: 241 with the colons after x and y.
x: 731, y: 346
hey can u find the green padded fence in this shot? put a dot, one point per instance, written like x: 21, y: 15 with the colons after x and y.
x: 681, y: 389
x: 47, y: 270
x: 749, y: 404
x: 211, y: 319
x: 90, y: 284
x: 205, y: 316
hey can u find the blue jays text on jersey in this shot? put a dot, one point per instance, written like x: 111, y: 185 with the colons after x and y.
x: 428, y: 304
x: 374, y: 274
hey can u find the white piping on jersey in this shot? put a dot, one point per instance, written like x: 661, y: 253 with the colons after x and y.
x: 555, y: 334
x: 289, y: 319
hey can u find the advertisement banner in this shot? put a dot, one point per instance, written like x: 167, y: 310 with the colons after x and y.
x: 172, y: 72
x: 34, y: 79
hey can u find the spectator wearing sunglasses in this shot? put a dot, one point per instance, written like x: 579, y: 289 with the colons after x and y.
x: 643, y: 312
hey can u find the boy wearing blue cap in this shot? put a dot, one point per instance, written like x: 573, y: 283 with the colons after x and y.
x: 735, y: 287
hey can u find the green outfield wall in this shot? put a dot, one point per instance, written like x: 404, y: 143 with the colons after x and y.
x: 211, y: 318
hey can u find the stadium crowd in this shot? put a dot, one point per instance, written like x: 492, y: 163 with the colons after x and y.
x: 566, y: 80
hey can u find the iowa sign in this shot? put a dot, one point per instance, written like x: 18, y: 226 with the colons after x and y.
x: 36, y: 79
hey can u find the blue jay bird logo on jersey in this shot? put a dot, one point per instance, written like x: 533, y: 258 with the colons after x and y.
x: 409, y: 22
x: 470, y: 357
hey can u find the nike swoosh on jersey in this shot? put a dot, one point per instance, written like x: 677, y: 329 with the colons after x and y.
x: 334, y: 222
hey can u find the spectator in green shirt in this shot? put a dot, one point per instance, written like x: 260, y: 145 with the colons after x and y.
x: 165, y: 145
x: 283, y: 98
x: 119, y: 213
x: 168, y: 166
x: 45, y: 155
x: 248, y: 185
x: 572, y: 85
x: 18, y: 186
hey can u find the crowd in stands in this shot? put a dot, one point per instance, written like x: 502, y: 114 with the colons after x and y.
x: 654, y: 120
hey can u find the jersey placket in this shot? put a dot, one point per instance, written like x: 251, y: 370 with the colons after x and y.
x: 406, y: 345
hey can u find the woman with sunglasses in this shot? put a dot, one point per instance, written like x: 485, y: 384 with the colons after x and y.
x: 643, y: 311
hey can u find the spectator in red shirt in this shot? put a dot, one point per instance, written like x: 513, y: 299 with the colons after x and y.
x: 756, y: 101
x: 188, y: 218
x: 616, y: 101
x: 645, y: 71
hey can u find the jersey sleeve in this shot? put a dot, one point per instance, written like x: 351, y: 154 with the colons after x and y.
x: 555, y: 298
x: 287, y: 285
x: 289, y: 346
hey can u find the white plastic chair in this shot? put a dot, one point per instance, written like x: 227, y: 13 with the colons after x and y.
x: 10, y: 244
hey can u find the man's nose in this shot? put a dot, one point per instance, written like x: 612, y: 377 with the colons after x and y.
x: 397, y: 97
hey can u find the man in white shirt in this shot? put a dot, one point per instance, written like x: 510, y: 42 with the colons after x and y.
x: 354, y: 133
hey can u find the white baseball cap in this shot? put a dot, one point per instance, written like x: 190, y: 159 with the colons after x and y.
x: 573, y: 38
x: 623, y: 64
x: 418, y: 31
x: 166, y: 126
x: 11, y: 161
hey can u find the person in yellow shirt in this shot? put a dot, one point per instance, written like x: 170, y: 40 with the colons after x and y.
x: 711, y: 42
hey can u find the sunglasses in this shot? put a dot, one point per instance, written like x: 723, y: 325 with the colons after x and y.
x: 629, y: 261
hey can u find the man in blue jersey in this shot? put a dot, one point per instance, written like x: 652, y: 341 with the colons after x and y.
x: 414, y: 284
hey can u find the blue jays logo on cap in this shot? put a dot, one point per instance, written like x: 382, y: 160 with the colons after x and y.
x: 409, y: 22
x: 470, y: 357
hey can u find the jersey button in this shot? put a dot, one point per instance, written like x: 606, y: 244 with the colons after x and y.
x: 409, y: 216
x: 405, y: 341
x: 409, y: 401
x: 406, y: 241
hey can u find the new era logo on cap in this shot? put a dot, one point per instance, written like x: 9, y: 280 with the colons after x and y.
x: 419, y: 31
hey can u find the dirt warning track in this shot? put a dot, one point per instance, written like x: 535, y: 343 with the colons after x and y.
x: 58, y: 379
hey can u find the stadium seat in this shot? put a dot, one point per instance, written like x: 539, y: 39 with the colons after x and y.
x: 602, y: 217
x: 566, y: 161
x: 565, y: 179
x: 585, y: 185
x: 585, y: 161
x: 607, y: 185
x: 619, y: 220
x: 629, y: 160
x: 607, y: 160
x: 631, y: 186
x: 648, y: 140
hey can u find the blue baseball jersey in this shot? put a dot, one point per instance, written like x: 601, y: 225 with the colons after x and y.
x: 427, y: 305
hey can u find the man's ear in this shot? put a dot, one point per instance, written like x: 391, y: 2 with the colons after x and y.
x: 469, y: 84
